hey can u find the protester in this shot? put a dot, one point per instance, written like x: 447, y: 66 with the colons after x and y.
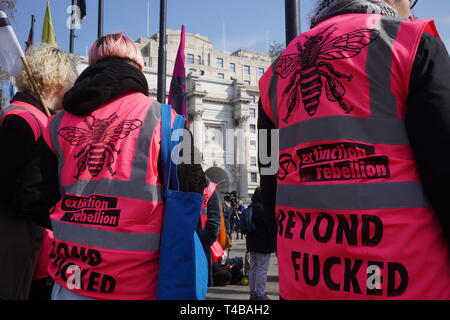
x: 260, y: 244
x: 107, y: 226
x: 362, y: 104
x: 25, y: 243
x: 193, y: 179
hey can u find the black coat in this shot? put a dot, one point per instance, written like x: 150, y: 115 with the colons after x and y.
x: 20, y: 232
x: 263, y: 239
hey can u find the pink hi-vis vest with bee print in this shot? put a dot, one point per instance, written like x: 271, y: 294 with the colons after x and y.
x: 353, y: 219
x: 107, y: 225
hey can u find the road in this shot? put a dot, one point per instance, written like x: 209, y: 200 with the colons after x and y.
x: 239, y: 292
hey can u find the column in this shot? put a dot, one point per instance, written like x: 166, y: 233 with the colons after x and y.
x: 242, y: 156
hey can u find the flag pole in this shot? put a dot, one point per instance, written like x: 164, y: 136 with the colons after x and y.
x: 100, y: 19
x: 33, y: 83
x: 162, y: 53
x: 292, y: 20
x: 72, y: 30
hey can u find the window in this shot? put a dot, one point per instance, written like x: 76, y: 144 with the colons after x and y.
x: 253, y: 161
x: 253, y: 145
x: 260, y: 72
x: 254, y: 177
x: 253, y: 128
x: 232, y: 67
x: 199, y: 59
x: 219, y: 63
x: 220, y: 76
x: 247, y: 82
x: 246, y: 69
x: 190, y: 58
x: 252, y: 113
x: 202, y: 72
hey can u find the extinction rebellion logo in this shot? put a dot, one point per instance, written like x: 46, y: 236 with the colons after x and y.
x: 336, y: 162
x: 93, y: 210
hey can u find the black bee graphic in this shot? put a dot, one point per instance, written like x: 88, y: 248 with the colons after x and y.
x: 309, y: 67
x: 98, y: 142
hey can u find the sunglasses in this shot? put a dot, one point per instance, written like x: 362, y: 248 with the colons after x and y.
x: 413, y: 3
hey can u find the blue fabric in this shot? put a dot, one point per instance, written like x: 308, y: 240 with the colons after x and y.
x: 61, y: 293
x: 183, y: 267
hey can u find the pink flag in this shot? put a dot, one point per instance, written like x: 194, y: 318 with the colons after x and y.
x: 177, y: 94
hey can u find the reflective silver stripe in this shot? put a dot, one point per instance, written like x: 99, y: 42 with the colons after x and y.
x: 11, y: 108
x: 105, y: 239
x: 273, y: 92
x: 364, y: 196
x: 370, y: 130
x: 117, y: 188
x: 140, y: 161
x: 379, y: 69
x: 54, y: 126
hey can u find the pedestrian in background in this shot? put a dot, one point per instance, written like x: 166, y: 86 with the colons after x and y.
x: 237, y: 217
x: 227, y: 218
x: 260, y: 245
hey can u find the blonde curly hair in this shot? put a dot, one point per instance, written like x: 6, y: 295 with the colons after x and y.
x: 52, y: 69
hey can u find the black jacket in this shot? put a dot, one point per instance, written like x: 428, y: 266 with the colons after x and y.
x: 427, y: 123
x: 262, y: 240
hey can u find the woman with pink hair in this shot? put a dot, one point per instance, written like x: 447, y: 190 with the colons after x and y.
x: 108, y: 222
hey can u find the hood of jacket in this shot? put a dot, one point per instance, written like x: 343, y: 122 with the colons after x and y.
x: 101, y: 83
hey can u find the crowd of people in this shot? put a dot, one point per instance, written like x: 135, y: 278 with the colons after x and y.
x: 357, y: 209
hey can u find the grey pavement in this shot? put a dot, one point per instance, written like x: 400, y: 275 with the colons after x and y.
x: 239, y: 292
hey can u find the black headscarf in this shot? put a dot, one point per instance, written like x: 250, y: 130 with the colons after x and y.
x: 330, y: 8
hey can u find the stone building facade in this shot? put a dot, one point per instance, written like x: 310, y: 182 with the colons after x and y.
x: 222, y: 99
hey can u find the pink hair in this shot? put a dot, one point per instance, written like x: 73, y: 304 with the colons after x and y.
x: 115, y: 45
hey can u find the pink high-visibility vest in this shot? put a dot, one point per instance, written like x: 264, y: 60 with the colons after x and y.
x: 353, y: 219
x: 37, y: 121
x: 107, y: 225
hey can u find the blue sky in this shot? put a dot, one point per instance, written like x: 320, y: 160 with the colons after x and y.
x: 249, y: 24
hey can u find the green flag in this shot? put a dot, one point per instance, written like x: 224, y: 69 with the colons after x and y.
x: 48, y: 33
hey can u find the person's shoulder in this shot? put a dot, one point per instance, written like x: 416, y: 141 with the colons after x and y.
x: 257, y: 206
x: 17, y: 124
x: 430, y: 46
